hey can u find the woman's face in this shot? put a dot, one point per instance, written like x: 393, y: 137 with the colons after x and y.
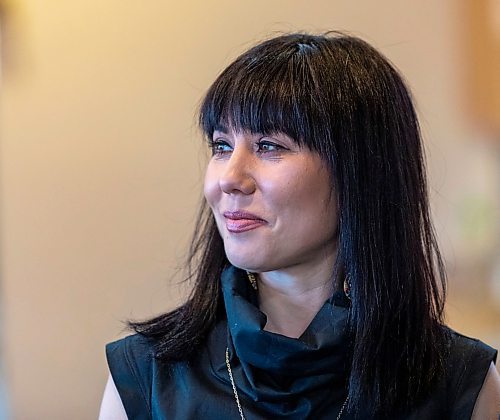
x: 272, y: 201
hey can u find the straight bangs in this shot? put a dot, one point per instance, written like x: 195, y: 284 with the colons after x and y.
x: 270, y: 89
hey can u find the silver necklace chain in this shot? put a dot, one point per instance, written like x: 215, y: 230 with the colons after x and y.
x: 236, y: 397
x: 233, y: 384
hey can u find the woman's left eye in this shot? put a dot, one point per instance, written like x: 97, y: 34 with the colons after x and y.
x: 265, y: 146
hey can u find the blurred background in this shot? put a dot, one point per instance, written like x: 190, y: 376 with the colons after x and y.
x: 102, y: 164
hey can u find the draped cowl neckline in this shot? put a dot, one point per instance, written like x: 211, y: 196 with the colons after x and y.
x: 288, y: 377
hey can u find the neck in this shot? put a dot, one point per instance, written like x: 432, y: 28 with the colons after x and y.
x: 291, y: 298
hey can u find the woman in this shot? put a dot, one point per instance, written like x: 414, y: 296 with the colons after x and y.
x: 319, y: 287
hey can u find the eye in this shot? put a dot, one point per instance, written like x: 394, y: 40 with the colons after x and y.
x: 220, y: 147
x: 266, y: 146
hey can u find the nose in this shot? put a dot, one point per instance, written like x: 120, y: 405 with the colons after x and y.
x: 237, y: 177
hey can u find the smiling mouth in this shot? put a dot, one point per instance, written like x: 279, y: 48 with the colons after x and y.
x: 239, y: 221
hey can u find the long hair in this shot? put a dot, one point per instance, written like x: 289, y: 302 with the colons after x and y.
x: 339, y: 97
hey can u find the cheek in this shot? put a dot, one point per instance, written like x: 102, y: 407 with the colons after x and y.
x: 308, y: 187
x: 312, y: 199
x: 211, y: 186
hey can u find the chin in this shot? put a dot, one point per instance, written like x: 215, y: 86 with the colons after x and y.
x: 244, y: 263
x: 247, y: 261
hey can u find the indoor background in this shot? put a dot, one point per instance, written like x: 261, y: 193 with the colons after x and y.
x: 102, y: 163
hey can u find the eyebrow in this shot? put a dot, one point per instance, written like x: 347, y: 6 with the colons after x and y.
x: 221, y: 128
x: 225, y: 130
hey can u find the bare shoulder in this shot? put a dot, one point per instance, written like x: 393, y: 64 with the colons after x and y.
x: 112, y: 406
x: 488, y: 401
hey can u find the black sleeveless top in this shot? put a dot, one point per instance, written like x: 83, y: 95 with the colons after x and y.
x: 276, y: 377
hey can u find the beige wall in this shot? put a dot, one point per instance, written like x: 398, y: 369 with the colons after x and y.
x: 101, y: 163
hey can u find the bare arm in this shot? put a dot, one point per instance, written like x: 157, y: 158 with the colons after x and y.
x: 488, y: 401
x: 112, y: 406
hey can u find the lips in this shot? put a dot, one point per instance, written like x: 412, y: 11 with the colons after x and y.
x: 241, y: 221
